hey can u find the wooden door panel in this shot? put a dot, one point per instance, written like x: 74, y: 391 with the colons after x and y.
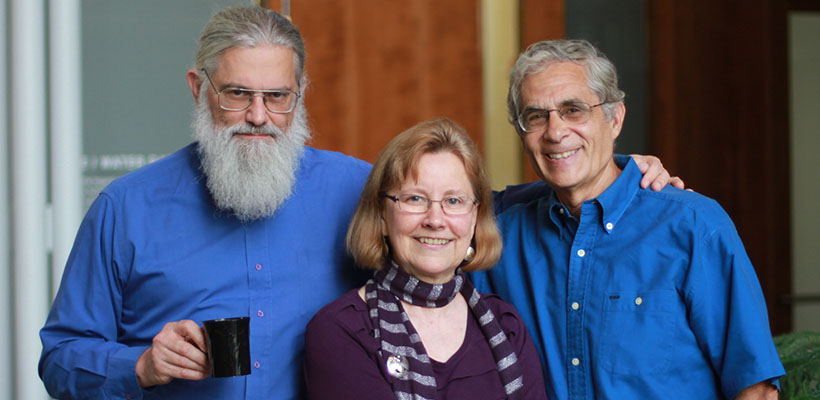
x: 378, y: 67
x: 719, y: 118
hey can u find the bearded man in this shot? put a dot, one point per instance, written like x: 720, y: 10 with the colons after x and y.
x: 246, y: 221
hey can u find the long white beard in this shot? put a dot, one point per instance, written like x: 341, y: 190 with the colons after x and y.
x: 249, y: 178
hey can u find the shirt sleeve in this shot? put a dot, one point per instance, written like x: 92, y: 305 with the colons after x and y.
x: 340, y: 360
x: 728, y: 311
x: 81, y: 358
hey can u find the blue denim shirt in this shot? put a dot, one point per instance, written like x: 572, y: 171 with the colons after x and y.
x: 646, y: 295
x: 153, y: 249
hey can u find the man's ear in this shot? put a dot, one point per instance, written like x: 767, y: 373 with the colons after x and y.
x: 194, y: 83
x: 617, y: 121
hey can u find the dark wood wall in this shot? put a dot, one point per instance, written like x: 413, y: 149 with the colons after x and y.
x: 719, y: 118
x: 540, y: 20
x: 378, y: 67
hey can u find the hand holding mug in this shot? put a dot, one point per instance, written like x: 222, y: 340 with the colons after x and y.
x: 177, y: 351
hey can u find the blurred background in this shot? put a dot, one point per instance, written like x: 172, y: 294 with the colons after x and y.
x: 727, y: 94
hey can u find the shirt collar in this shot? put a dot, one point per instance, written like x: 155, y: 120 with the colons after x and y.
x: 613, y: 201
x: 557, y: 212
x: 616, y: 198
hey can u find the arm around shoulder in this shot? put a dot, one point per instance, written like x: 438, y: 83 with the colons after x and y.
x: 655, y: 176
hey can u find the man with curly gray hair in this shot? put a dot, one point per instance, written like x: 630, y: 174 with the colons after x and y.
x: 628, y: 293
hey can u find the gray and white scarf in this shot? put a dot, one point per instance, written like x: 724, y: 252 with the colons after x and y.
x: 402, y: 354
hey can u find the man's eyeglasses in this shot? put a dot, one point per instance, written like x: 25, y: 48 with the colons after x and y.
x: 280, y: 101
x: 537, y: 119
x: 418, y: 204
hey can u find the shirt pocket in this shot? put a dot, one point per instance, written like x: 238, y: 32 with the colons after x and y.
x: 638, y: 329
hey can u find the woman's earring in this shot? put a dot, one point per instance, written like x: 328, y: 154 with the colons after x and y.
x: 470, y: 254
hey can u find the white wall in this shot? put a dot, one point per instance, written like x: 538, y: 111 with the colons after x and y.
x: 804, y: 47
x: 5, y: 234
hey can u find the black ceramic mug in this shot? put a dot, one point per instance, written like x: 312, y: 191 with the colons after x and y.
x: 229, y: 350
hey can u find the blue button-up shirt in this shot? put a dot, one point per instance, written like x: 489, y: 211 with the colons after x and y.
x: 646, y: 295
x: 153, y: 249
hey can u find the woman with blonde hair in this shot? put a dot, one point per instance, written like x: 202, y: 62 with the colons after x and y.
x: 418, y: 329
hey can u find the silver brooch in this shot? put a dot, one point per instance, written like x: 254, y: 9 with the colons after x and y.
x: 397, y: 366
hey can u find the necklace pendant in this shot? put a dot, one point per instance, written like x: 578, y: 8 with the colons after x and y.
x: 397, y: 366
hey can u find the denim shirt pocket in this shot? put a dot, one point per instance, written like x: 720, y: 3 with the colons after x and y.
x: 638, y: 331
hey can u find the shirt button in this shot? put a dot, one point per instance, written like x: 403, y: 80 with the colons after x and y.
x: 575, y: 305
x: 257, y: 364
x: 258, y: 267
x: 576, y: 362
x: 638, y: 301
x: 581, y: 253
x: 560, y: 211
x: 609, y: 226
x: 260, y: 313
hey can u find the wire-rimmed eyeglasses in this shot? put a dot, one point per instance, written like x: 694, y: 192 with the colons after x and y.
x: 279, y: 101
x: 414, y: 203
x: 537, y: 119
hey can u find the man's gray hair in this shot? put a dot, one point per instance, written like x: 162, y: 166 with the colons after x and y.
x: 601, y: 75
x: 248, y: 27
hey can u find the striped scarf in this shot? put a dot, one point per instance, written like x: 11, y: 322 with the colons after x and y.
x: 402, y: 353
